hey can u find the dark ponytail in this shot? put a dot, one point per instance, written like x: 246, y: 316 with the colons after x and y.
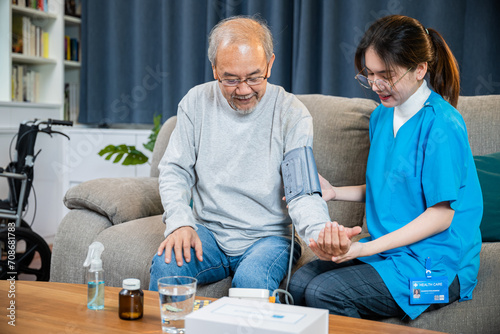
x: 403, y: 41
x: 443, y: 70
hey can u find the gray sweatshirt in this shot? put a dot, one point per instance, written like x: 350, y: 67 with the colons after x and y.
x: 230, y: 165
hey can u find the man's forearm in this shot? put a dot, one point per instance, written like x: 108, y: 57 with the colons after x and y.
x: 309, y: 214
x: 175, y: 192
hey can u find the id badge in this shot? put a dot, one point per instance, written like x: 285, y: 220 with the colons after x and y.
x: 428, y: 289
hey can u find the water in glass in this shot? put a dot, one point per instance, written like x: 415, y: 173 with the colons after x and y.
x: 175, y: 303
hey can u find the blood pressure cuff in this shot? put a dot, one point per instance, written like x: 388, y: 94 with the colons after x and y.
x: 299, y: 172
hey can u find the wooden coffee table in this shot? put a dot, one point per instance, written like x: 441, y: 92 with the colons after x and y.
x: 47, y: 307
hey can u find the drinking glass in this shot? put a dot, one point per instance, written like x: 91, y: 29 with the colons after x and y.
x: 176, y: 301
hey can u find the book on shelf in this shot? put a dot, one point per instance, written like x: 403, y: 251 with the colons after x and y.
x: 74, y: 49
x: 25, y: 84
x: 71, y: 47
x: 28, y: 38
x: 67, y: 46
x: 45, y: 44
x: 41, y: 5
x: 71, y: 101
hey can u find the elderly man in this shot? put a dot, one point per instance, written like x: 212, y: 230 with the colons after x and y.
x: 225, y: 154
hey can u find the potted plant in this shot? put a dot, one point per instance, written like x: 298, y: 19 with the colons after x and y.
x: 130, y: 154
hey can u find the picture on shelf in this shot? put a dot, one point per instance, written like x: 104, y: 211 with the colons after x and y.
x: 73, y: 8
x: 17, y: 34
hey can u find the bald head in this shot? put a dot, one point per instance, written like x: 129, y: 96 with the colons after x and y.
x: 239, y: 31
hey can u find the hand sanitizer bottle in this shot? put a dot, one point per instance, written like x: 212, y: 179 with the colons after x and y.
x: 95, y: 277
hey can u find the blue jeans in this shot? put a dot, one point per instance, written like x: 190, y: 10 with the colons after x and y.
x: 262, y: 266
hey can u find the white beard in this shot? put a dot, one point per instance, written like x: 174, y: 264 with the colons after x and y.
x: 241, y: 111
x: 244, y: 112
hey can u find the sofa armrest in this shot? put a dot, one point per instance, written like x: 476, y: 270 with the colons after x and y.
x: 119, y: 199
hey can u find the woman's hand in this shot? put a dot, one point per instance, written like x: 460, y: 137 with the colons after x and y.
x: 327, y: 190
x: 334, y: 240
x: 355, y: 251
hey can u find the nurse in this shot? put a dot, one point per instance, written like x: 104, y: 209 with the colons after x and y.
x: 422, y: 193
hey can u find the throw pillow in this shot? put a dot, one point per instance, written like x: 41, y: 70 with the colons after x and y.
x: 120, y: 199
x: 488, y: 170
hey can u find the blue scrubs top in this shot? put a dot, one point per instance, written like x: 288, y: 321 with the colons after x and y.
x: 428, y: 162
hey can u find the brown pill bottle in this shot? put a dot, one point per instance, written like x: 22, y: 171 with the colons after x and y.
x: 131, y: 300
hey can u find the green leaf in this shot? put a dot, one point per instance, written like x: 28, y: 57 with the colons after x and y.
x: 123, y: 148
x: 129, y: 153
x: 118, y: 158
x: 136, y: 158
x: 107, y: 149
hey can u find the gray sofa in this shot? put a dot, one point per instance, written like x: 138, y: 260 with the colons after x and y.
x: 125, y: 213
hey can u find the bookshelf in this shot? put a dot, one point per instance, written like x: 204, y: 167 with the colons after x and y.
x: 44, y: 57
x: 31, y: 41
x: 72, y: 65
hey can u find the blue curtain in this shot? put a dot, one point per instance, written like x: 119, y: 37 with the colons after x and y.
x: 140, y: 57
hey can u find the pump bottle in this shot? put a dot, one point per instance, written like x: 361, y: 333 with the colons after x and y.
x: 95, y: 276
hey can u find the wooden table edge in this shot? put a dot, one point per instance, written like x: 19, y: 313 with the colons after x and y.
x: 337, y: 324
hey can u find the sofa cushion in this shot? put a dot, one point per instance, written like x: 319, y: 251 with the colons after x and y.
x: 482, y: 118
x: 120, y: 199
x: 488, y: 170
x: 129, y: 249
x: 161, y: 144
x: 341, y: 145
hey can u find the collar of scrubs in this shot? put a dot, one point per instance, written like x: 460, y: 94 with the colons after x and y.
x: 410, y: 107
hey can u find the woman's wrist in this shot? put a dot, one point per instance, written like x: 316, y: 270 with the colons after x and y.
x: 369, y: 248
x: 334, y: 193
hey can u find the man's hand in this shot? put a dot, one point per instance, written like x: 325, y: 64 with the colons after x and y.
x: 327, y: 190
x: 181, y: 240
x: 334, y: 240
